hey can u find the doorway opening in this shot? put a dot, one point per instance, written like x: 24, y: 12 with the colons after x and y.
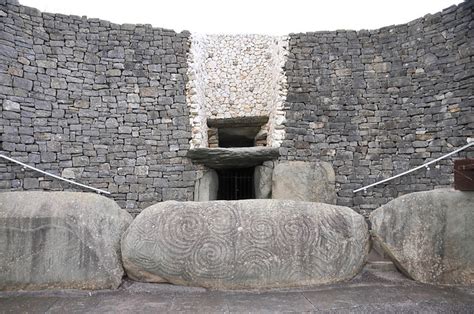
x: 237, y: 132
x: 236, y: 184
x: 237, y: 137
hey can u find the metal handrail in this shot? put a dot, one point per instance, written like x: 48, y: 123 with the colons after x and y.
x: 53, y: 175
x: 425, y: 165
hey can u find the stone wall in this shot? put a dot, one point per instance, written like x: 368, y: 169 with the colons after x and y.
x: 377, y: 103
x: 100, y: 103
x: 112, y: 106
x: 234, y: 76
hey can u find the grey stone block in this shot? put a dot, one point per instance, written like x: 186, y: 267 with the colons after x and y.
x: 58, y: 83
x: 206, y: 186
x: 125, y: 129
x: 30, y: 183
x: 174, y: 194
x: 148, y: 92
x: 48, y: 64
x: 9, y: 105
x: 22, y: 83
x: 263, y: 181
x: 304, y: 181
x: 80, y: 161
x: 48, y: 156
x: 111, y: 123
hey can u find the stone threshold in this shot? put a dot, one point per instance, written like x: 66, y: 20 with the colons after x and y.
x: 236, y: 157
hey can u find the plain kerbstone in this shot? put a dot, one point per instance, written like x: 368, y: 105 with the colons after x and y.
x: 60, y: 240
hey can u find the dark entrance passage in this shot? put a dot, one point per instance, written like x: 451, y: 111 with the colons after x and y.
x: 235, y: 184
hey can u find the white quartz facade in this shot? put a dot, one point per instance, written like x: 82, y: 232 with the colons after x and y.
x: 232, y: 76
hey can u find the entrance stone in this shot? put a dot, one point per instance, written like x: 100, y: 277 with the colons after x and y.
x: 245, y: 244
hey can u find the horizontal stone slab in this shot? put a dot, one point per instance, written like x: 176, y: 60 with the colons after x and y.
x: 245, y: 244
x: 239, y: 157
x: 237, y: 122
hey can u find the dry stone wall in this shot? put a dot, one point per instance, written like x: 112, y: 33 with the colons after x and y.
x: 377, y: 103
x: 100, y: 103
x: 232, y: 76
x: 119, y: 106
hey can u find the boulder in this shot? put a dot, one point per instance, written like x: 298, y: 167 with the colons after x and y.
x: 304, y: 181
x: 60, y: 240
x: 429, y: 235
x: 245, y: 244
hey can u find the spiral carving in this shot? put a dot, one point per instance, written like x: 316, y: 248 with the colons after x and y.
x: 223, y: 219
x: 257, y: 263
x: 296, y: 232
x: 261, y: 231
x: 242, y: 244
x: 213, y: 257
x: 179, y: 230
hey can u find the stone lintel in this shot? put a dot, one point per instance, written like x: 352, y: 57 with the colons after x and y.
x: 237, y: 122
x: 239, y: 157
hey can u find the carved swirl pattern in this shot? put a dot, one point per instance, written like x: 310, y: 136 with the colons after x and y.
x: 240, y: 244
x: 261, y: 231
x: 297, y: 233
x: 179, y: 230
x: 212, y: 258
x: 222, y: 219
x: 256, y: 263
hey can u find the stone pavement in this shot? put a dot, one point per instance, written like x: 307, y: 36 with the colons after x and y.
x: 376, y: 289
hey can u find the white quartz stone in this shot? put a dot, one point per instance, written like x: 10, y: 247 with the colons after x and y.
x: 234, y: 76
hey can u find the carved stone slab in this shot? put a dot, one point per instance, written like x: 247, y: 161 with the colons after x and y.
x: 60, y: 240
x: 245, y: 244
x: 429, y: 235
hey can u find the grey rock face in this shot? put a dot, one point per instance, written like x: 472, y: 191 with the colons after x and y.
x: 60, y: 240
x: 304, y: 181
x: 245, y: 244
x: 429, y: 235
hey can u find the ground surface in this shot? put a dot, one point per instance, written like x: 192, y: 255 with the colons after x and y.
x: 376, y: 289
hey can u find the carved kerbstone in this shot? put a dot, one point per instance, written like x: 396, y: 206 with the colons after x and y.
x: 245, y: 244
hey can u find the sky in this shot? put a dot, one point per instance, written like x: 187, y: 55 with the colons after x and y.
x: 271, y: 17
